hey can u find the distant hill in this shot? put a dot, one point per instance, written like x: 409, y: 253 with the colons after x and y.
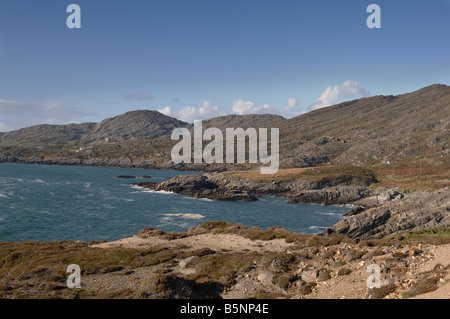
x: 376, y: 130
x: 134, y: 125
x: 46, y: 134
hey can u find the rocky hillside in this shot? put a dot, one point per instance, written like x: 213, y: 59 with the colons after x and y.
x: 244, y: 121
x: 134, y: 139
x: 375, y: 130
x: 134, y: 125
x: 46, y: 134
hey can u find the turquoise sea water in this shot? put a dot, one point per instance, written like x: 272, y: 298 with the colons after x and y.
x: 46, y: 203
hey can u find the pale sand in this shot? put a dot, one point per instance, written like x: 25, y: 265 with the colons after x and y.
x: 212, y: 241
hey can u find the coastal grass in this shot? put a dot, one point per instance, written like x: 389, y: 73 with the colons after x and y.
x: 439, y: 232
x: 226, y: 265
x: 383, y: 291
x: 413, y: 177
x: 25, y: 259
x: 432, y: 236
x: 39, y: 268
x: 407, y: 176
x: 325, y: 176
x: 428, y: 282
x: 322, y: 176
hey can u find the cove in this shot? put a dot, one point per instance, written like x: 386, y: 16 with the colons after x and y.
x: 47, y: 203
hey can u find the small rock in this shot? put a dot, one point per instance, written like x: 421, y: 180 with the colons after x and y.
x: 185, y: 262
x: 116, y: 287
x: 265, y: 278
x: 309, y: 275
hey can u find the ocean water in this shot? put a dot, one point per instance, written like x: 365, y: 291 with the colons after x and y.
x: 46, y: 203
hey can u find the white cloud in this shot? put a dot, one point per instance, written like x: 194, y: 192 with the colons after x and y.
x: 166, y: 111
x: 289, y: 109
x: 188, y: 114
x: 207, y: 110
x: 242, y: 107
x: 4, y: 127
x: 332, y: 95
x: 191, y: 113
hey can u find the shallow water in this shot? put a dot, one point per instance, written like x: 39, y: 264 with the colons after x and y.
x: 41, y: 202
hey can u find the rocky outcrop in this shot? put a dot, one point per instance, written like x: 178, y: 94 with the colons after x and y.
x: 418, y: 210
x: 355, y: 211
x: 379, y: 213
x: 330, y: 195
x: 260, y: 188
x: 199, y: 186
x: 216, y: 186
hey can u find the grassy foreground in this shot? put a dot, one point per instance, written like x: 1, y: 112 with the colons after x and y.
x: 38, y: 269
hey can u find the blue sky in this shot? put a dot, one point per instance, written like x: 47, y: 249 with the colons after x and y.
x: 195, y: 59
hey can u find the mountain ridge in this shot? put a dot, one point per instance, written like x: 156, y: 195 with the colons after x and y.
x: 376, y: 129
x: 412, y: 127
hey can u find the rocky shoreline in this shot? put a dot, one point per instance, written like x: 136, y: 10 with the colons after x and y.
x: 121, y: 162
x: 217, y: 187
x: 378, y: 212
